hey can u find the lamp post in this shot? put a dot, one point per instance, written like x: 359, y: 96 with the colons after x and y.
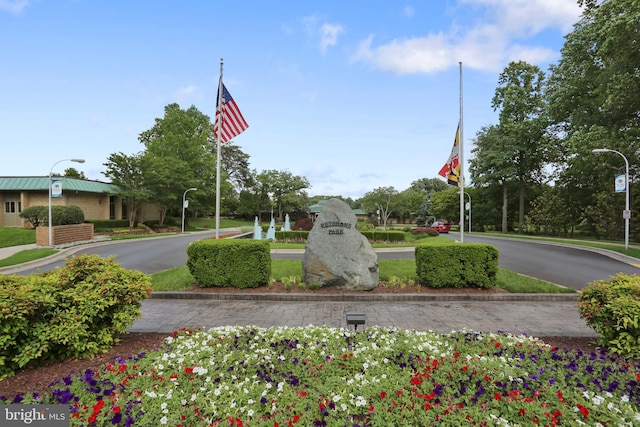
x: 50, y: 189
x: 627, y: 213
x: 469, y: 195
x: 184, y: 202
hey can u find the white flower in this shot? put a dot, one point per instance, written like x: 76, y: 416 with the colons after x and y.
x: 163, y: 420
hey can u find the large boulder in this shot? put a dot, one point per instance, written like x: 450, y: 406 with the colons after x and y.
x: 336, y: 254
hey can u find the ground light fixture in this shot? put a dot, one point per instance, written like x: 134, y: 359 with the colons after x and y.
x: 50, y: 190
x: 627, y: 213
x: 356, y: 319
x: 184, y: 204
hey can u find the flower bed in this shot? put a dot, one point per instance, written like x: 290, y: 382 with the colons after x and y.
x: 324, y: 376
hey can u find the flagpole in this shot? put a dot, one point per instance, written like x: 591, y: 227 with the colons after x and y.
x: 461, y: 163
x: 218, y: 151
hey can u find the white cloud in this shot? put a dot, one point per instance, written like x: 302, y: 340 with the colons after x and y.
x: 326, y: 32
x: 329, y: 35
x: 14, y: 6
x: 499, y: 36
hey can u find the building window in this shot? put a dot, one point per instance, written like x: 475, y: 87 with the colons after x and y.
x: 10, y: 207
x: 19, y: 207
x: 112, y: 207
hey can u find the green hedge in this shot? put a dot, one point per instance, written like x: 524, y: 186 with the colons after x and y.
x: 61, y: 215
x: 384, y: 235
x: 457, y: 265
x: 75, y: 311
x: 612, y: 308
x: 110, y: 223
x: 238, y: 263
x: 292, y: 235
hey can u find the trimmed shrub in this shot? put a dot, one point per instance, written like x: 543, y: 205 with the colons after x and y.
x: 61, y: 215
x: 110, y: 223
x: 75, y: 311
x: 471, y: 265
x: 384, y: 235
x: 292, y: 235
x: 36, y: 215
x: 65, y: 215
x: 238, y: 263
x: 612, y: 308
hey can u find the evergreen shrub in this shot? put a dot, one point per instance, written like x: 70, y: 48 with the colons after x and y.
x: 471, y: 265
x: 230, y: 262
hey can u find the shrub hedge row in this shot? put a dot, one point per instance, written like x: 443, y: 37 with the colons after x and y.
x: 241, y: 263
x: 61, y: 215
x: 471, y: 265
x: 75, y: 311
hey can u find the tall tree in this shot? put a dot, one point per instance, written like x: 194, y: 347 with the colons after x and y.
x: 523, y: 124
x: 594, y: 98
x: 282, y: 190
x: 491, y: 165
x: 128, y: 174
x: 380, y: 200
x: 179, y: 156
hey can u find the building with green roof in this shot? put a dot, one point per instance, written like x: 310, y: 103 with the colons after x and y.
x: 98, y: 200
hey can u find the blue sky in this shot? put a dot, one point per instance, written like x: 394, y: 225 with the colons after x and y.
x: 353, y: 95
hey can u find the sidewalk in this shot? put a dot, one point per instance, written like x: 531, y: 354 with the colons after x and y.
x: 532, y: 314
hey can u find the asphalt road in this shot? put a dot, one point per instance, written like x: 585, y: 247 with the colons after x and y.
x: 563, y: 265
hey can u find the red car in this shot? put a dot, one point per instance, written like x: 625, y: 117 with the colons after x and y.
x: 442, y: 227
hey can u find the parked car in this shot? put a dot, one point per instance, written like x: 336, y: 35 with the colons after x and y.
x: 442, y: 227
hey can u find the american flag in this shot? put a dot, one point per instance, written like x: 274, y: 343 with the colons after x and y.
x: 233, y: 124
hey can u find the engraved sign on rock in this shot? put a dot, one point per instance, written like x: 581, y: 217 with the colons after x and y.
x: 337, y: 255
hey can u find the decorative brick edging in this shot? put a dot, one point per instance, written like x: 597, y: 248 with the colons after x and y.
x: 254, y: 296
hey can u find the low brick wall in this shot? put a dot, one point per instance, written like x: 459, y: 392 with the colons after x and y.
x: 61, y: 234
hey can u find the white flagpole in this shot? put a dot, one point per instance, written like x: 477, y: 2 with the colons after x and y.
x: 218, y: 150
x: 461, y: 163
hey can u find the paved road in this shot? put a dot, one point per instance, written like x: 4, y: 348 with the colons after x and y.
x: 561, y: 264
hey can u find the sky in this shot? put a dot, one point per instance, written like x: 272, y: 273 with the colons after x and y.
x: 351, y: 94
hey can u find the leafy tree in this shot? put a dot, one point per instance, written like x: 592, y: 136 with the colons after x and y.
x: 549, y: 213
x: 594, y: 99
x: 73, y: 173
x: 380, y: 199
x: 446, y: 204
x: 281, y: 190
x: 520, y: 99
x: 127, y: 173
x: 428, y: 185
x: 491, y: 166
x: 178, y: 156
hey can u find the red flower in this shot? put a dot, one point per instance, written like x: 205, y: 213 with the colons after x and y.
x: 188, y: 370
x: 383, y: 394
x: 497, y: 396
x: 116, y: 409
x: 371, y: 408
x: 583, y: 410
x: 521, y: 411
x: 416, y: 381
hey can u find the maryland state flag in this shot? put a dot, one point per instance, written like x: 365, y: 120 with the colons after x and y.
x: 451, y: 169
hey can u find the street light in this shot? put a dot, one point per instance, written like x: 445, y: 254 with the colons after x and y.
x: 184, y: 202
x: 627, y: 213
x: 51, y: 173
x: 469, y: 195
